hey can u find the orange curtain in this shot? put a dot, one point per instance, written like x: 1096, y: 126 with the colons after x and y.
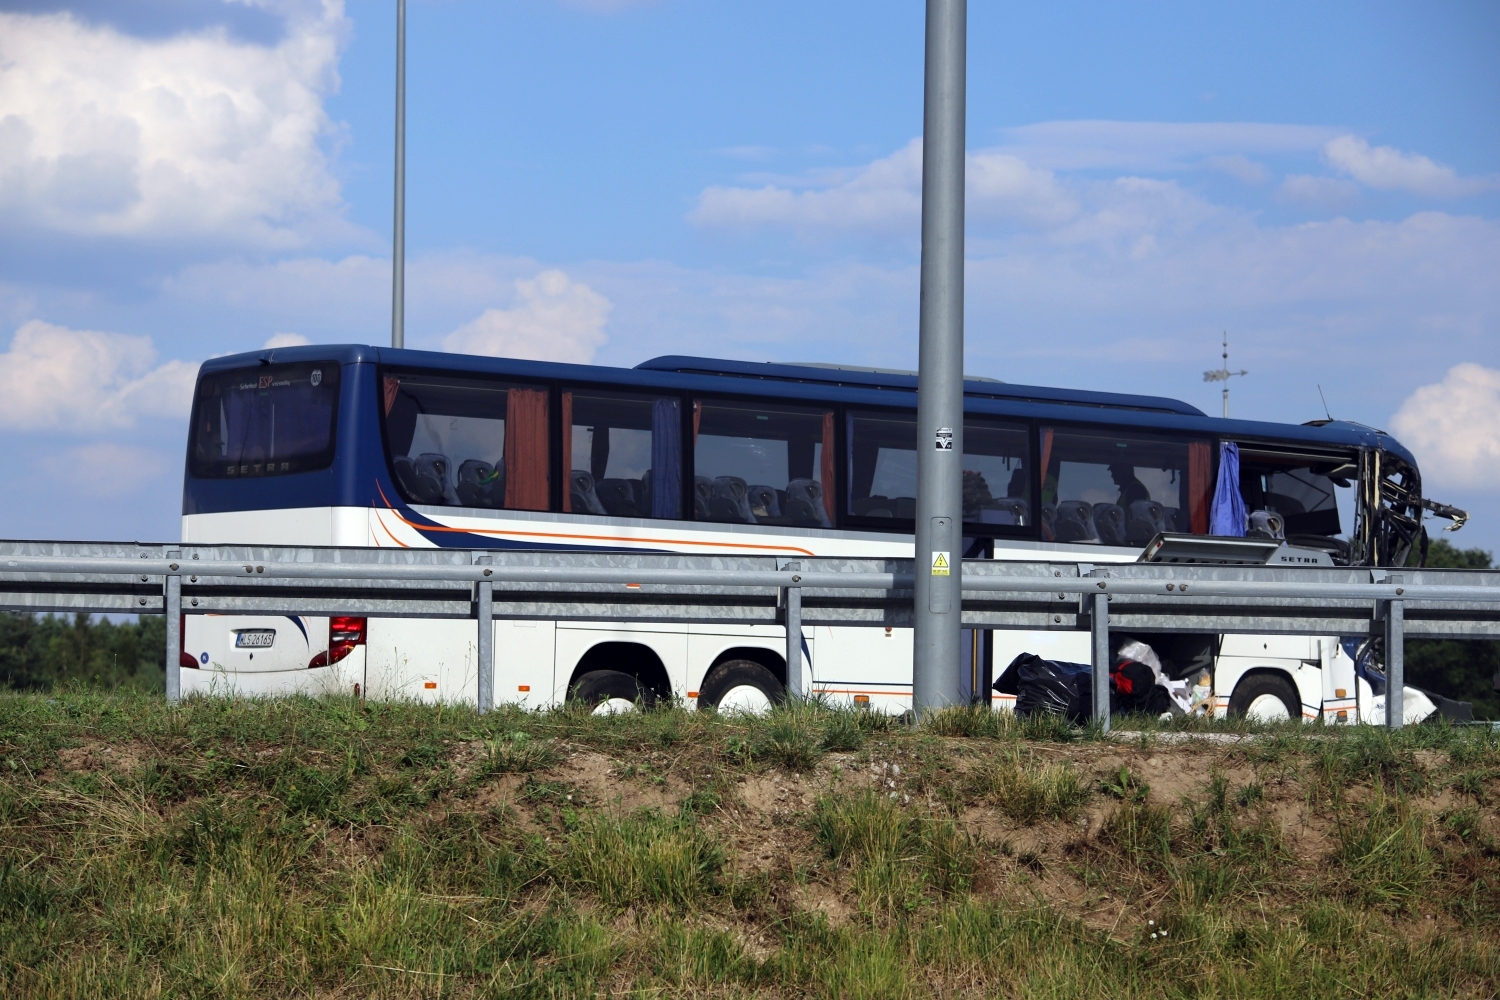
x: 526, y: 449
x: 392, y: 386
x: 1200, y: 486
x: 826, y: 464
x: 567, y: 443
x: 1046, y: 463
x: 697, y: 419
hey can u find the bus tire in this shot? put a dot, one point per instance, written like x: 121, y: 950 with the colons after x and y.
x: 740, y: 686
x: 1259, y: 696
x: 611, y: 691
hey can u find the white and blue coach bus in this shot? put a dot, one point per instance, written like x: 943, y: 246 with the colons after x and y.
x: 365, y: 446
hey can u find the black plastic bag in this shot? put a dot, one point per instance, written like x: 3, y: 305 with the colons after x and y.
x: 1055, y: 687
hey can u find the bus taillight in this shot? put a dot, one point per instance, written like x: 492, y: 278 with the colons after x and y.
x: 344, y: 633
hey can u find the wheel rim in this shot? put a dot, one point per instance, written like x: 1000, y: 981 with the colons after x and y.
x: 746, y: 698
x: 1267, y: 708
x: 614, y: 706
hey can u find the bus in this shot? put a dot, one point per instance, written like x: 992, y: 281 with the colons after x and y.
x: 371, y: 446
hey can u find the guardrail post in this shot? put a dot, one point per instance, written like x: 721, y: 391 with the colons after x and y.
x: 173, y: 610
x: 1395, y: 666
x: 485, y: 613
x: 1099, y: 645
x: 794, y: 635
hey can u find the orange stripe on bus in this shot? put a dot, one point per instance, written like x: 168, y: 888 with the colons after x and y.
x: 594, y: 538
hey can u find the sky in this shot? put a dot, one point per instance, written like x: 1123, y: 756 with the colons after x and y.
x: 610, y: 180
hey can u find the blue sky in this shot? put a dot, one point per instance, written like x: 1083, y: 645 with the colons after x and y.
x: 610, y: 180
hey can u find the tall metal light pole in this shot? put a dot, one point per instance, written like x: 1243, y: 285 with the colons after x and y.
x: 940, y: 380
x: 398, y: 240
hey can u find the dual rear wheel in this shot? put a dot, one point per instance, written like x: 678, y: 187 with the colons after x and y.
x: 732, y: 686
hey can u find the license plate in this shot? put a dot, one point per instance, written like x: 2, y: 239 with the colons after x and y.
x: 255, y: 639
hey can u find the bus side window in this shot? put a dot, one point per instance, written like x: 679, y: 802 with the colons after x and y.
x: 997, y: 478
x: 882, y: 465
x: 762, y: 464
x: 1110, y: 488
x: 467, y: 442
x: 883, y: 470
x: 622, y: 454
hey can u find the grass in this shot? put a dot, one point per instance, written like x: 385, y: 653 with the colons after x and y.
x: 238, y: 849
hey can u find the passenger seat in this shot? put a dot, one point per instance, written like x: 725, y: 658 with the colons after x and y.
x: 764, y: 502
x: 1147, y: 520
x: 619, y: 497
x: 728, y: 502
x: 1075, y: 522
x: 481, y: 484
x: 1109, y: 519
x: 581, y: 495
x: 432, y: 479
x: 804, y: 503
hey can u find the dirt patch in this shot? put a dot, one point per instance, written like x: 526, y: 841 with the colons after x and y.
x: 100, y: 756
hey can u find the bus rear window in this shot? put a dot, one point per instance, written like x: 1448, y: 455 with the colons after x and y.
x: 273, y: 420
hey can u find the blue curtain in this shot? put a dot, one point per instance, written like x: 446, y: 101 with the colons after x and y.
x: 666, y: 459
x: 1227, y: 516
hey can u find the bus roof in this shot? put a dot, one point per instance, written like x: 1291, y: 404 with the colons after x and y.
x: 861, y: 387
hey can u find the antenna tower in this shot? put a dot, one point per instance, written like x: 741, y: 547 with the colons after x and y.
x: 1223, y: 374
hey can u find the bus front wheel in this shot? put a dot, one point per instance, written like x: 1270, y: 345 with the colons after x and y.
x: 1265, y: 698
x: 610, y: 691
x: 740, y: 686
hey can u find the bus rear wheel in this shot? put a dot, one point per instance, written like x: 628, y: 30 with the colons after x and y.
x: 740, y: 686
x: 1265, y: 698
x: 608, y: 692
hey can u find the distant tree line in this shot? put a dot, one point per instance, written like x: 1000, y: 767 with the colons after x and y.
x: 43, y: 652
x: 1457, y: 668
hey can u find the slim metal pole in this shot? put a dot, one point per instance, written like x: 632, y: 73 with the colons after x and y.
x: 794, y: 638
x: 174, y: 630
x: 1099, y: 641
x: 398, y: 241
x: 485, y: 613
x: 1395, y: 666
x: 940, y: 426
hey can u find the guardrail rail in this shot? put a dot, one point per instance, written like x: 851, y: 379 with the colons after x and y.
x: 175, y: 579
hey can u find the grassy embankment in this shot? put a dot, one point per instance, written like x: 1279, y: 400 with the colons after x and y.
x: 296, y: 848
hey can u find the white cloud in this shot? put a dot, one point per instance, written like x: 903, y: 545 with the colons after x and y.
x: 54, y: 378
x: 1389, y: 169
x: 557, y: 320
x: 109, y: 469
x: 1453, y: 427
x: 1240, y: 167
x: 887, y: 195
x: 286, y: 340
x: 195, y: 137
x: 1326, y: 193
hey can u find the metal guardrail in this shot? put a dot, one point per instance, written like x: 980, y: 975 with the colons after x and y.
x: 602, y: 586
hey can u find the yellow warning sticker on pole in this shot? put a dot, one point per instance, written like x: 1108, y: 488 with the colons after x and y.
x: 940, y: 564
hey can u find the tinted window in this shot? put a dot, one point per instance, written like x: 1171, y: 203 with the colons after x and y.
x: 623, y: 453
x: 997, y: 474
x: 762, y: 464
x: 883, y: 470
x: 467, y: 442
x: 267, y: 421
x: 1121, y: 489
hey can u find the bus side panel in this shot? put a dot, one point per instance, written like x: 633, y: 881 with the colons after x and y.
x: 575, y: 639
x: 524, y: 652
x: 867, y: 662
x: 288, y: 526
x: 422, y: 659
